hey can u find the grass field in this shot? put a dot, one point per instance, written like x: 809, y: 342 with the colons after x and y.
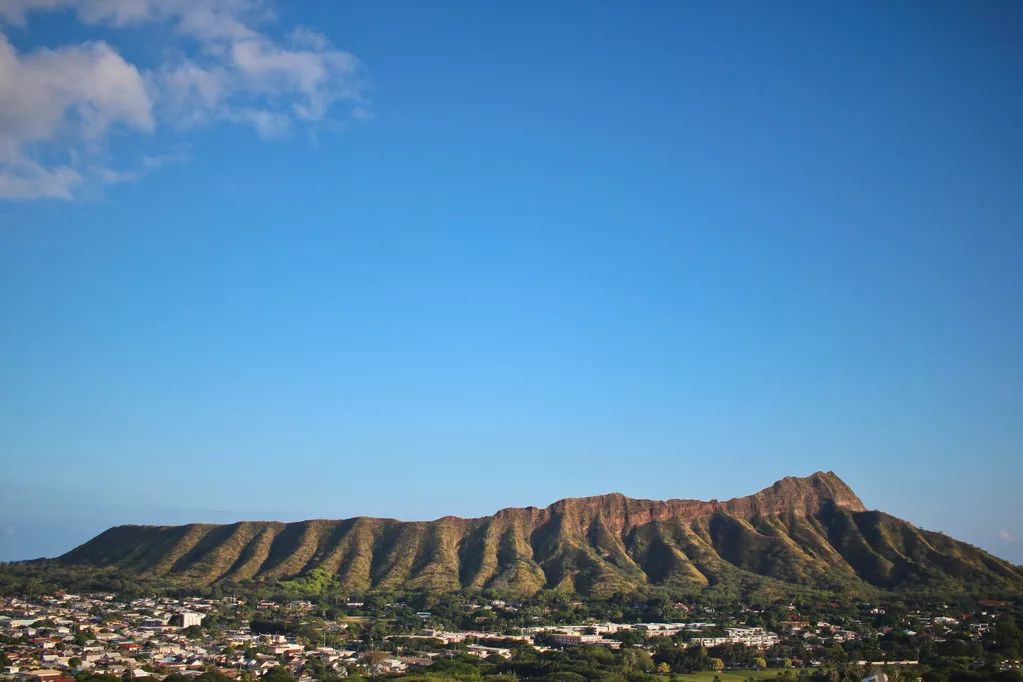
x: 356, y: 619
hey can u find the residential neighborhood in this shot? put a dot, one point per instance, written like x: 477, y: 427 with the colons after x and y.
x: 62, y: 637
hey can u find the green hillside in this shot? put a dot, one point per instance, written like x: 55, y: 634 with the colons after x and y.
x: 811, y: 532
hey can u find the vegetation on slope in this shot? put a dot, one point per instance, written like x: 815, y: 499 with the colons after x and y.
x: 811, y: 533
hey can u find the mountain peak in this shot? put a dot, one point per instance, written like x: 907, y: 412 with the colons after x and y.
x: 801, y: 494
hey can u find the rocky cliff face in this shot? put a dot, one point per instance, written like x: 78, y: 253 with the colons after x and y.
x: 810, y: 531
x: 801, y: 496
x: 798, y: 495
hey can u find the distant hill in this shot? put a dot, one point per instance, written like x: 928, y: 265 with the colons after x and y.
x: 812, y: 532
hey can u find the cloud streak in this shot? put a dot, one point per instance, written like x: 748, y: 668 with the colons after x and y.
x: 60, y: 105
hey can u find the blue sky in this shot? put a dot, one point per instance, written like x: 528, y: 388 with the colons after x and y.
x: 329, y: 259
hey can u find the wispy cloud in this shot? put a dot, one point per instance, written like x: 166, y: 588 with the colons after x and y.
x: 146, y: 165
x: 1006, y: 536
x: 61, y: 104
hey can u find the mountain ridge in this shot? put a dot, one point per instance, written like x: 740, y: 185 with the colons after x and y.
x: 763, y: 493
x: 803, y: 531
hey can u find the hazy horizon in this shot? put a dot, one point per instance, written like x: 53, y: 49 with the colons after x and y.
x: 318, y: 260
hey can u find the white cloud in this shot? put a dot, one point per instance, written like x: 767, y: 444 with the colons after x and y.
x: 272, y: 86
x: 55, y: 102
x: 61, y: 104
x: 22, y: 178
x: 203, y: 19
x: 1006, y: 536
x: 268, y: 124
